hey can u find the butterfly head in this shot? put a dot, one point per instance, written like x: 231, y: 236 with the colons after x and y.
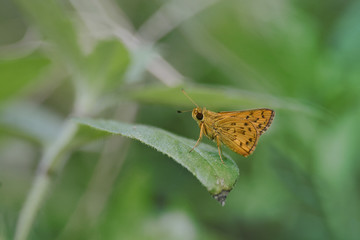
x: 198, y: 114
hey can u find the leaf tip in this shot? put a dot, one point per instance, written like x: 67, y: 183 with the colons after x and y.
x: 221, y: 197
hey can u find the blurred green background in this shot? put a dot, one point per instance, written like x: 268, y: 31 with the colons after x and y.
x: 126, y: 60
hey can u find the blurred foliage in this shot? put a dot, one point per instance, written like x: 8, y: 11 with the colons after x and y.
x: 126, y: 60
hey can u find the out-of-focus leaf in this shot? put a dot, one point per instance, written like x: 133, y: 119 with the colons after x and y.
x: 297, y: 181
x: 107, y: 64
x: 30, y: 121
x: 253, y: 46
x: 347, y: 36
x: 337, y: 176
x: 140, y: 58
x: 55, y: 24
x: 15, y: 75
x: 203, y: 162
x: 217, y: 98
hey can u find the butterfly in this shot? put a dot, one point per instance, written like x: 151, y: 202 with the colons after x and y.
x: 239, y: 130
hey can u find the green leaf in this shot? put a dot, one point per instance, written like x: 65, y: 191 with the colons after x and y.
x: 204, y: 162
x: 20, y: 73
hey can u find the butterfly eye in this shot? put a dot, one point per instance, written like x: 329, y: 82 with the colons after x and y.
x: 199, y: 116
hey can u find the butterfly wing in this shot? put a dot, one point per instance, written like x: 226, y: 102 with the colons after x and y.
x: 239, y: 134
x: 261, y: 118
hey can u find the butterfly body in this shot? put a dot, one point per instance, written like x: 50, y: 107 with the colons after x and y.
x: 239, y: 130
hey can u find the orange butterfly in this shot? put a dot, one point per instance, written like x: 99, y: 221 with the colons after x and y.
x: 239, y: 130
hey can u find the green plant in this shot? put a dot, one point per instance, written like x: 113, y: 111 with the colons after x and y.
x: 68, y: 173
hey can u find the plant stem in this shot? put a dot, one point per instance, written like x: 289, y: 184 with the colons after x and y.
x: 52, y: 159
x: 101, y: 184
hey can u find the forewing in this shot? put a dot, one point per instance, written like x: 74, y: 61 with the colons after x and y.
x: 260, y: 118
x: 239, y: 134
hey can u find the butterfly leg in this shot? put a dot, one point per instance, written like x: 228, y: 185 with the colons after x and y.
x: 200, y: 137
x: 218, y: 142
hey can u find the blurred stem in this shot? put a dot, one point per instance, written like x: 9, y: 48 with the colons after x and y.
x: 49, y: 164
x: 54, y: 157
x: 93, y: 201
x: 170, y: 16
x: 22, y: 48
x: 112, y: 21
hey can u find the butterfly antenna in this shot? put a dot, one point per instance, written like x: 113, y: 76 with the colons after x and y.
x: 188, y: 97
x: 183, y: 111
